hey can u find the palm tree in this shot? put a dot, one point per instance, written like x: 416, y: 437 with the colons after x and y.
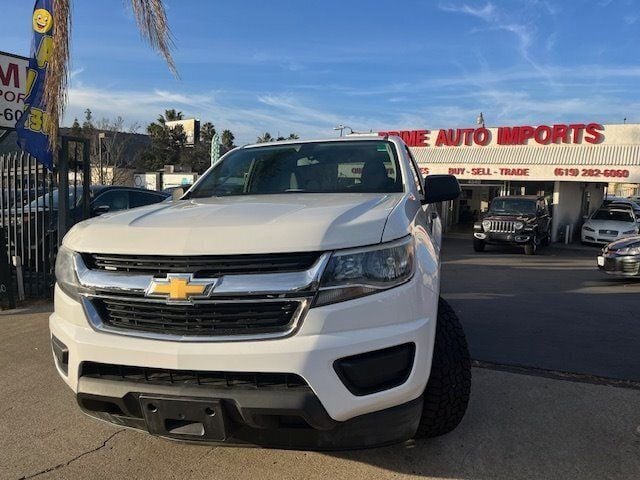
x: 152, y: 21
x: 227, y: 140
x: 170, y: 116
x: 265, y: 138
x: 292, y: 136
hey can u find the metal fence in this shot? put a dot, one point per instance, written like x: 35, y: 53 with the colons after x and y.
x: 37, y: 207
x: 26, y: 188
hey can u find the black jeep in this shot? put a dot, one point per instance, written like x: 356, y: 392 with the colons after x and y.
x: 516, y: 220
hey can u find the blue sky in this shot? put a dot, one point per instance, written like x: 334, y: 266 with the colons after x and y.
x: 304, y: 67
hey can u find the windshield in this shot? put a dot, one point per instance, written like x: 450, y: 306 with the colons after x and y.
x: 614, y: 215
x: 323, y: 167
x: 75, y: 197
x: 513, y: 205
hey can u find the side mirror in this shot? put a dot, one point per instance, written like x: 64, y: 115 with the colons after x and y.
x: 177, y: 193
x: 100, y: 210
x: 585, y: 218
x: 440, y: 188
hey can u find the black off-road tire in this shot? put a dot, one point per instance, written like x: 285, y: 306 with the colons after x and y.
x: 447, y: 394
x: 530, y: 248
x: 478, y: 245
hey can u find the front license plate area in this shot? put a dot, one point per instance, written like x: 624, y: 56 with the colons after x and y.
x: 186, y: 419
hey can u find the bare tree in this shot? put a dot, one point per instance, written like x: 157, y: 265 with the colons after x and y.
x: 110, y: 146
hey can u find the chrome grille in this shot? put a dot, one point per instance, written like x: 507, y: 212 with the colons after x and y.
x: 202, y: 265
x: 218, y: 318
x: 256, y: 305
x: 608, y: 232
x: 629, y: 267
x: 502, y: 226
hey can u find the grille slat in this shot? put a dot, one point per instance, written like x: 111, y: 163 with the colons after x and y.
x: 203, y: 265
x: 159, y: 376
x: 502, y: 226
x: 186, y: 315
x: 198, y: 319
x: 630, y: 267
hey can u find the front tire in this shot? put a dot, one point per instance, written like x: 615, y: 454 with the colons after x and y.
x: 530, y: 248
x: 478, y: 245
x: 447, y: 393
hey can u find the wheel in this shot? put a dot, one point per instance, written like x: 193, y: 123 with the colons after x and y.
x: 478, y: 245
x: 447, y: 393
x: 530, y: 248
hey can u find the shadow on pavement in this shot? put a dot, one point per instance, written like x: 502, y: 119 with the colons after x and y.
x: 521, y: 427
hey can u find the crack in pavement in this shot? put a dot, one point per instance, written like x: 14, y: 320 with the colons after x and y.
x: 557, y: 374
x: 65, y: 464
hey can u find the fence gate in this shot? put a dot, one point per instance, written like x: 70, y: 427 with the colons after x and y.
x: 27, y: 190
x: 37, y: 208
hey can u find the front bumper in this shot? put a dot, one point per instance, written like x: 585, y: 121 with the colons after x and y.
x: 597, y: 238
x: 623, y: 265
x: 282, y: 419
x: 520, y: 238
x: 327, y: 334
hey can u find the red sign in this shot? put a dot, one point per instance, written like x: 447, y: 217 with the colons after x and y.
x: 574, y: 133
x: 536, y: 172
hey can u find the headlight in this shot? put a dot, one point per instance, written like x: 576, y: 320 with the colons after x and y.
x: 588, y: 229
x: 66, y: 275
x: 630, y: 232
x: 629, y: 251
x: 486, y: 224
x: 518, y: 225
x: 358, y: 272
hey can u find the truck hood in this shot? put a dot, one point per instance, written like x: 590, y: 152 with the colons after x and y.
x: 509, y: 217
x: 241, y: 225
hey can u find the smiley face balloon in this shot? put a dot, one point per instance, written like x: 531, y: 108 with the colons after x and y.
x: 42, y: 21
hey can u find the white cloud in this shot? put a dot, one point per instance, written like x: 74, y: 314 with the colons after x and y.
x: 510, y: 21
x: 246, y: 115
x: 74, y: 73
x: 485, y: 13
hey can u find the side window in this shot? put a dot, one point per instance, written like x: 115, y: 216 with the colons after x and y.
x: 415, y: 171
x: 114, y: 199
x: 140, y: 199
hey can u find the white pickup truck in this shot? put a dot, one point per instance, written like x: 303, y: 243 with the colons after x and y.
x: 290, y: 298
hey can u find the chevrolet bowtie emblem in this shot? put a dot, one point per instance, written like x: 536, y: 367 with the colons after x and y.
x: 179, y: 287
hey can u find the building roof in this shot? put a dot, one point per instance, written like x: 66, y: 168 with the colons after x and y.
x: 615, y: 155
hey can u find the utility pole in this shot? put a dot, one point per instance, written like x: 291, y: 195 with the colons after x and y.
x: 101, y: 136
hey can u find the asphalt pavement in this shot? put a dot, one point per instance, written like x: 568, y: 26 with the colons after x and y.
x: 517, y: 427
x: 554, y: 310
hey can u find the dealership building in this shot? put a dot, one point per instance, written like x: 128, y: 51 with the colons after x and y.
x: 573, y: 165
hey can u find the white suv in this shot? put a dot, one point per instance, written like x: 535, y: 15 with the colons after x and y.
x: 290, y: 298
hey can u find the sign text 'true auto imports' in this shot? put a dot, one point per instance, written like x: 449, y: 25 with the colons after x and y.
x: 574, y: 133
